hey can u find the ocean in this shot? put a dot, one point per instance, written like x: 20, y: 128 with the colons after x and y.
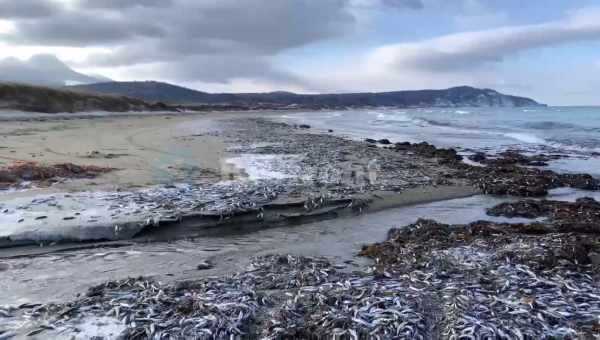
x: 570, y: 131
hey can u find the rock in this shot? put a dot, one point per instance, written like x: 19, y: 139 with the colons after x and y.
x: 304, y: 126
x: 185, y: 305
x: 370, y: 140
x: 384, y: 141
x: 204, y: 265
x: 187, y: 285
x: 95, y: 291
x: 478, y: 157
x: 512, y: 157
x: 330, y: 130
x: 595, y: 259
x: 126, y: 334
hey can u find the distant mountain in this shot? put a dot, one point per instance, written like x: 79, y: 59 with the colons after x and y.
x: 452, y: 97
x: 50, y: 100
x: 153, y: 91
x: 43, y: 70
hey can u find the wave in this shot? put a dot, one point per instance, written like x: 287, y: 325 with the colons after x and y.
x: 559, y: 145
x: 549, y: 125
x: 574, y: 147
x: 526, y: 137
x: 394, y: 117
x: 434, y: 122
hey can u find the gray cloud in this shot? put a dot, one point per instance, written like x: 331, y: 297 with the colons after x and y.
x: 211, y: 38
x: 121, y: 4
x: 11, y: 9
x: 70, y: 28
x: 190, y: 26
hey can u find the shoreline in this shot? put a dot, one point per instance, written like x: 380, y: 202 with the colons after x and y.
x: 343, y: 200
x: 201, y: 239
x: 198, y: 151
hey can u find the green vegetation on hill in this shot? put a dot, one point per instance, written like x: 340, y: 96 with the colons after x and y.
x: 49, y: 100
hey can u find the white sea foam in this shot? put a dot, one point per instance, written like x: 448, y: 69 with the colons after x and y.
x: 532, y: 139
x: 395, y: 117
x: 526, y: 137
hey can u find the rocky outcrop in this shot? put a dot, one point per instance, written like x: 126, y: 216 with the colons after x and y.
x: 513, y: 157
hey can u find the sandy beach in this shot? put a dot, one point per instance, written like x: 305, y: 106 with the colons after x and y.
x: 146, y: 150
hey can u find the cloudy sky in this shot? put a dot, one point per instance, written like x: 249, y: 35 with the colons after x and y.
x: 545, y: 49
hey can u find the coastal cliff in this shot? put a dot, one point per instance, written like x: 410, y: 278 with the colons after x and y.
x: 463, y: 96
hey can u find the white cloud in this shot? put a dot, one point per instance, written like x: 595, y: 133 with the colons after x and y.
x: 478, y: 58
x: 471, y: 49
x: 6, y: 26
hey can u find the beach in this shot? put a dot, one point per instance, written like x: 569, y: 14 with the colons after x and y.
x: 200, y: 196
x: 223, y: 160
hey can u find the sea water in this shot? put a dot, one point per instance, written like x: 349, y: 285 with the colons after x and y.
x: 570, y: 131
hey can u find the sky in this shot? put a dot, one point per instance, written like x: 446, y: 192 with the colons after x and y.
x: 548, y: 50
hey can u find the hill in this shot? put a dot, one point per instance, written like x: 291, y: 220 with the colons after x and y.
x: 48, y: 100
x: 452, y: 97
x: 44, y: 70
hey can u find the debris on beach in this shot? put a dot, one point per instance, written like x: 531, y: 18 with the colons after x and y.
x: 509, y: 173
x: 583, y: 215
x: 430, y: 281
x: 337, y: 164
x: 95, y: 154
x: 527, y: 182
x: 26, y: 171
x: 499, y: 280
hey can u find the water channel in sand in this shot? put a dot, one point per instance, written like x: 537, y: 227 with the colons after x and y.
x: 63, y: 272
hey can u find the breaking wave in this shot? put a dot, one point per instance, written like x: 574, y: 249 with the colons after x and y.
x: 569, y: 146
x: 549, y: 125
x: 526, y: 137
